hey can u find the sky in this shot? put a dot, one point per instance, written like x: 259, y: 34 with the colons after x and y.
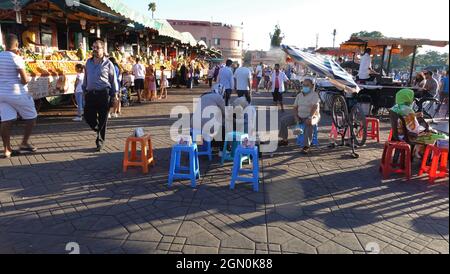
x: 302, y: 20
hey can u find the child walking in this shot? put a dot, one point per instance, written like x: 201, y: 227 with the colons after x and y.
x: 79, y: 96
x: 163, y: 85
x: 151, y: 84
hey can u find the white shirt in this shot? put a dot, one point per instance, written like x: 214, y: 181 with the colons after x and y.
x: 259, y: 71
x: 242, y: 76
x: 364, y: 67
x: 305, y: 103
x: 10, y: 82
x: 139, y: 71
x: 79, y: 87
x: 282, y: 78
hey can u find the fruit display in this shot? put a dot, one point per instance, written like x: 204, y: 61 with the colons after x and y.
x: 50, y: 68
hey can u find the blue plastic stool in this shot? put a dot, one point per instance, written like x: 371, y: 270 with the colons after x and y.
x: 236, y: 139
x: 205, y: 149
x: 252, y: 153
x: 301, y: 137
x: 178, y: 172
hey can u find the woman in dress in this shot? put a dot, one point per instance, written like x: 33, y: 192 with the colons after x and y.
x: 150, y: 81
x: 163, y: 85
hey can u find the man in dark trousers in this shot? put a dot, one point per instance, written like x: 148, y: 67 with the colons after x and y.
x: 100, y: 87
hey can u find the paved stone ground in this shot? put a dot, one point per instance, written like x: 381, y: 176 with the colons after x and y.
x: 323, y: 203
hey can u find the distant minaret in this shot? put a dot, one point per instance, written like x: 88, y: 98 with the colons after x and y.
x: 317, y: 41
x: 334, y: 37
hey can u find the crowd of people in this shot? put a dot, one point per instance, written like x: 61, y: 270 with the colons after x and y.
x: 101, y: 88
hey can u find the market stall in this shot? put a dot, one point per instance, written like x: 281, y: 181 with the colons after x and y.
x: 381, y: 92
x: 54, y: 37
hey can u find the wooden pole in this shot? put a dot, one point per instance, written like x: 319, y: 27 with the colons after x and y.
x: 390, y: 60
x: 412, y: 66
x: 382, y: 60
x: 1, y: 37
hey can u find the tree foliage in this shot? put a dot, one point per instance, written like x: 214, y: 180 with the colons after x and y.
x: 372, y: 34
x: 276, y: 38
x: 152, y: 8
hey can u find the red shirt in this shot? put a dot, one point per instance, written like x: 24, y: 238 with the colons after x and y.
x: 277, y: 81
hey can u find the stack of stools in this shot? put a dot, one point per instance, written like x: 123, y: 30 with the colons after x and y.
x: 301, y: 137
x: 235, y: 138
x: 253, y: 154
x: 373, y: 128
x: 179, y: 172
x: 387, y: 162
x: 439, y: 161
x: 146, y: 157
x: 206, y: 148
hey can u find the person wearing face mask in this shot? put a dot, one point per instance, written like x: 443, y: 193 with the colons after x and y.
x: 306, y: 111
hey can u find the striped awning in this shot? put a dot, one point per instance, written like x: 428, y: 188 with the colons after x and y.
x: 189, y: 39
x: 325, y: 67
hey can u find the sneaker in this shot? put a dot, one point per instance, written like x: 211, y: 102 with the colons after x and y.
x: 109, y: 116
x: 78, y: 119
x: 115, y: 115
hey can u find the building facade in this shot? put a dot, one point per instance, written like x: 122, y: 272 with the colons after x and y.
x: 226, y: 38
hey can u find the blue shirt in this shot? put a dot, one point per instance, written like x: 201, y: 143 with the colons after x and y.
x: 445, y: 84
x: 100, y: 77
x: 226, y: 78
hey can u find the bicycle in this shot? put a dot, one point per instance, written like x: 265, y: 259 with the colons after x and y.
x: 430, y: 107
x: 353, y: 120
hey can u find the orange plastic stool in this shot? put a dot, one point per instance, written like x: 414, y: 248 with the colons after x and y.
x: 387, y: 165
x: 439, y: 161
x: 146, y: 158
x: 373, y: 129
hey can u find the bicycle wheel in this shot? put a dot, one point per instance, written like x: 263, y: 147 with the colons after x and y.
x: 358, y: 126
x: 429, y: 107
x: 340, y: 112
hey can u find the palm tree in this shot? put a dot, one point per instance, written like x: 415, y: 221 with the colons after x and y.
x: 152, y: 8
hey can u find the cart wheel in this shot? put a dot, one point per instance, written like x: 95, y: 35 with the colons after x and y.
x: 340, y: 112
x: 358, y: 126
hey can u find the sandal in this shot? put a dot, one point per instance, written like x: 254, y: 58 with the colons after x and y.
x: 306, y: 150
x: 14, y: 153
x: 283, y: 144
x: 28, y: 148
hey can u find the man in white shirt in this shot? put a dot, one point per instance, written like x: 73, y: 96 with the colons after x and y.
x: 243, y: 82
x: 139, y: 78
x: 259, y: 75
x: 365, y: 67
x: 278, y: 84
x: 14, y: 97
x: 226, y: 79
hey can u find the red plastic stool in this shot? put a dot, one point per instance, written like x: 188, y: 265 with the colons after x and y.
x: 439, y: 161
x: 373, y: 129
x: 334, y: 134
x: 391, y: 135
x: 387, y: 165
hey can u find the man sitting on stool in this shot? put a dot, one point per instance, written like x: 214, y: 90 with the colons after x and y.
x: 306, y: 111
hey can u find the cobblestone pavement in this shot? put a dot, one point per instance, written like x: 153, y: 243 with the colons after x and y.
x: 322, y: 203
